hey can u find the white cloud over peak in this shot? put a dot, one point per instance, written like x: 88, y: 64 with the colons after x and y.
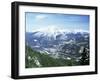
x: 40, y: 17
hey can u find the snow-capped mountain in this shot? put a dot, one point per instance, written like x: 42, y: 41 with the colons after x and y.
x: 55, y: 31
x: 57, y: 41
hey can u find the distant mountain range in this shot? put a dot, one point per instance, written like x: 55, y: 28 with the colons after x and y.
x: 58, y: 43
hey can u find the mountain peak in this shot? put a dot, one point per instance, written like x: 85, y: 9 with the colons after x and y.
x: 53, y: 31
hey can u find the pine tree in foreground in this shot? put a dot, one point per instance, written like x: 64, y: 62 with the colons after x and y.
x: 84, y: 57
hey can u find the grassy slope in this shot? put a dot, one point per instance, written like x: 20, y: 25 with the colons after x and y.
x: 44, y: 60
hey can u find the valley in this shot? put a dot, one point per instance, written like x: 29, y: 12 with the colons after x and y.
x: 60, y: 46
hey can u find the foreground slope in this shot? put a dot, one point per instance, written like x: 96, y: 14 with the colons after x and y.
x: 36, y: 59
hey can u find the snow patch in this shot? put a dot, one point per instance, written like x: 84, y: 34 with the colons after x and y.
x: 35, y: 40
x: 68, y: 58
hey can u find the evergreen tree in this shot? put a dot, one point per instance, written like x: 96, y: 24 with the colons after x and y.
x: 84, y: 57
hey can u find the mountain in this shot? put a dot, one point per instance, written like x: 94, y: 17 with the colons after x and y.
x: 58, y: 43
x: 54, y: 32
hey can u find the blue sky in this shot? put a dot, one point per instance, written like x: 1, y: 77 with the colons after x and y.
x: 65, y: 21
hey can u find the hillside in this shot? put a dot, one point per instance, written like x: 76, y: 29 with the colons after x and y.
x: 36, y: 59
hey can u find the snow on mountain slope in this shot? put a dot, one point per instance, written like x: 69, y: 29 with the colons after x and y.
x: 58, y: 41
x: 54, y: 31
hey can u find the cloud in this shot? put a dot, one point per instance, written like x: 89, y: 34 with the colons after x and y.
x: 41, y: 17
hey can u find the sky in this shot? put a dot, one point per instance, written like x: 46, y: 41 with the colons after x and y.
x: 35, y: 20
